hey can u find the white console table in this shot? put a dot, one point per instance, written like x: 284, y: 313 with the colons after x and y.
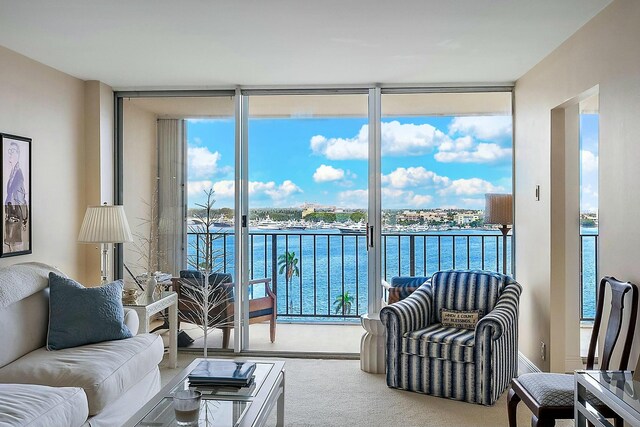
x: 146, y: 307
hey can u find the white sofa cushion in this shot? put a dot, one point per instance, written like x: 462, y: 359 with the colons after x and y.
x: 41, y: 406
x: 104, y: 370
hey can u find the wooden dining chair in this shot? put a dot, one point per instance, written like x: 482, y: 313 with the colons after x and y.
x: 549, y: 396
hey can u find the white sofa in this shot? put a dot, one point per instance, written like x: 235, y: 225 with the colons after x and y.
x: 95, y: 385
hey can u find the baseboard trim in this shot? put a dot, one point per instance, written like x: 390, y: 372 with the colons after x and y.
x: 526, y: 366
x: 279, y: 354
x: 573, y: 363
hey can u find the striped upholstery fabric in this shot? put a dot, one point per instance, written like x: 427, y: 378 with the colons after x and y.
x: 437, y: 341
x: 472, y: 366
x: 465, y: 290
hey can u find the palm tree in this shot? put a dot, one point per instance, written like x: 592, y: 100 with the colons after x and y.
x: 289, y: 262
x: 343, y: 303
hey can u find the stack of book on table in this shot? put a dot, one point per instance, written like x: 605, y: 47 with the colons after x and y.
x: 222, y: 373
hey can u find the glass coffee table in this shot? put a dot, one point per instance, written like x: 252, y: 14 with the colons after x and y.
x: 222, y: 407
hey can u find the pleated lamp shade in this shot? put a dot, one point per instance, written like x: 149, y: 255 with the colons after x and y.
x: 105, y: 224
x: 498, y: 209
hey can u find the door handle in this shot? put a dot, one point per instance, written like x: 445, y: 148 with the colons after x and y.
x: 369, y: 236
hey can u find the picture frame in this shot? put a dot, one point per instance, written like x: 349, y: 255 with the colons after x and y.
x: 15, y: 193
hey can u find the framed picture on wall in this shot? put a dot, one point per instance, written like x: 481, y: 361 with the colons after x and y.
x: 15, y: 158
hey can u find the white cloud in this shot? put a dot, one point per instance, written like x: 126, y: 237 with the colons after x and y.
x: 473, y: 203
x: 589, y: 161
x: 470, y: 187
x: 393, y: 198
x: 285, y: 189
x: 203, y: 163
x: 482, y: 127
x: 482, y: 153
x: 353, y: 198
x: 326, y: 173
x: 272, y: 190
x: 342, y: 148
x: 413, y: 177
x: 409, y: 139
x: 420, y: 200
x: 462, y: 143
x: 397, y: 140
x: 225, y: 189
x: 197, y: 188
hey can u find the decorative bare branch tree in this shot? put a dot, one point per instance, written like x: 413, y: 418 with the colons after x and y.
x: 146, y: 243
x: 206, y: 301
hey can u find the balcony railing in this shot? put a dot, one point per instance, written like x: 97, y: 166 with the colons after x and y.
x: 331, y: 265
x: 588, y: 274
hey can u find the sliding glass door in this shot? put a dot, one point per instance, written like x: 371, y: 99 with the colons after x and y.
x: 308, y: 193
x: 304, y: 201
x: 178, y: 168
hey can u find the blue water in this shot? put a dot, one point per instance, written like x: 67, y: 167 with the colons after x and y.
x: 589, y: 273
x: 337, y: 263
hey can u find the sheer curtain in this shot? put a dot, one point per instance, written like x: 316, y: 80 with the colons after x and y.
x: 171, y: 214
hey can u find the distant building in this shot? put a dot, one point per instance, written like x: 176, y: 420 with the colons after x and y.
x: 426, y: 216
x: 465, y: 218
x: 309, y: 208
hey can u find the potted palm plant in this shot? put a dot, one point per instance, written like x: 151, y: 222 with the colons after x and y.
x: 288, y: 262
x: 343, y: 303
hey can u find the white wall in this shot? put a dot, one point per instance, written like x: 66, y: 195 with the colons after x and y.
x: 140, y: 164
x: 604, y: 52
x: 99, y: 163
x: 48, y: 106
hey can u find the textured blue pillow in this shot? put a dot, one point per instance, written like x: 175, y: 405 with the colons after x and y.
x: 79, y: 315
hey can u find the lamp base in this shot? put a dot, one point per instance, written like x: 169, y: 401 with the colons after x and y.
x: 504, y: 230
x: 104, y: 268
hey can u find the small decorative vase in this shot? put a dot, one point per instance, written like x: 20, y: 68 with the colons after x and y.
x: 151, y: 286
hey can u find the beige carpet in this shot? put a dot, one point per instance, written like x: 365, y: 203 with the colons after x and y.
x: 336, y: 393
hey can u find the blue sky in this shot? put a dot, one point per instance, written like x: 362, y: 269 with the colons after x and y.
x: 589, y: 162
x: 428, y: 162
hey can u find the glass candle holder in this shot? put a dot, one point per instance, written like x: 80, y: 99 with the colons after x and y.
x: 186, y: 404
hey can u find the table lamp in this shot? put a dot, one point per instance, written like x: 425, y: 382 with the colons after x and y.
x: 499, y: 211
x: 105, y: 224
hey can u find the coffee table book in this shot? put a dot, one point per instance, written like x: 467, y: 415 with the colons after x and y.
x: 222, y: 373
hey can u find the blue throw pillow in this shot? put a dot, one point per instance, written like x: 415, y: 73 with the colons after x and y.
x: 79, y: 315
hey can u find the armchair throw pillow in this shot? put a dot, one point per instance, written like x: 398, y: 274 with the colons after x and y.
x: 460, y: 319
x: 79, y: 315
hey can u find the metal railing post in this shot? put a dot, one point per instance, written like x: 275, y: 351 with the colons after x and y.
x: 412, y: 255
x: 274, y: 263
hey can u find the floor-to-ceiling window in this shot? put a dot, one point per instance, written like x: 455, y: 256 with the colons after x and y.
x: 307, y: 186
x: 441, y: 153
x: 589, y: 142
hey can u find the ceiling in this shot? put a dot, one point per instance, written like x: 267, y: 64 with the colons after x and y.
x: 147, y: 44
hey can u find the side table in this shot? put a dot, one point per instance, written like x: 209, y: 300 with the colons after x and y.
x: 615, y: 389
x: 372, y: 344
x: 146, y: 307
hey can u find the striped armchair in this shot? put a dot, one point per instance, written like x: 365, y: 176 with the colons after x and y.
x: 474, y: 366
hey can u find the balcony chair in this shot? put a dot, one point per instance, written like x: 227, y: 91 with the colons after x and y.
x: 550, y: 396
x: 471, y: 365
x: 222, y: 309
x: 402, y: 287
